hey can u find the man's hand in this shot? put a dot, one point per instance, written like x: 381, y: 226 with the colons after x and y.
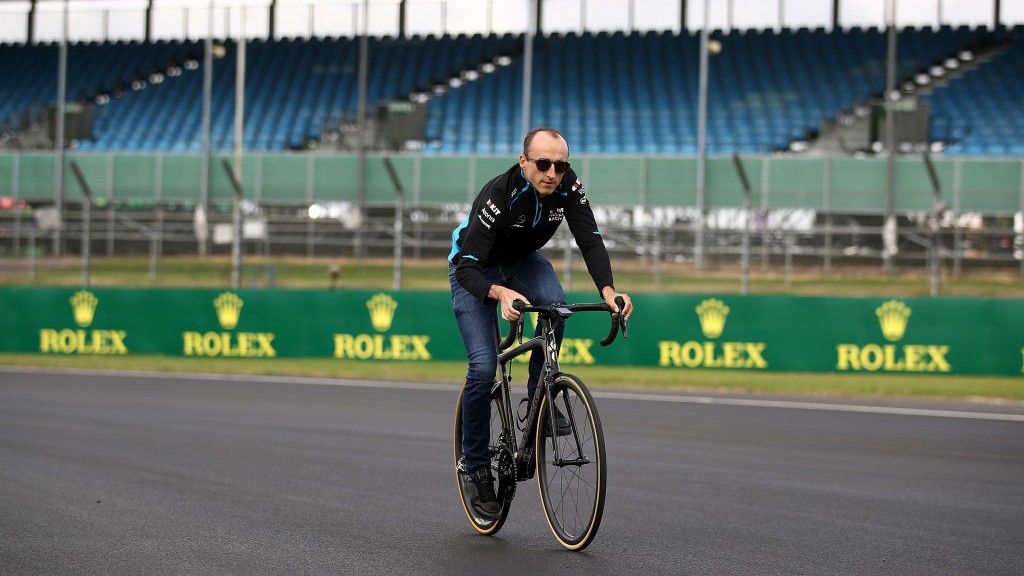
x: 609, y: 294
x: 506, y: 297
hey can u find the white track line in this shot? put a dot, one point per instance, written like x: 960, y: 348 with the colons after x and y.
x: 636, y: 396
x: 800, y: 405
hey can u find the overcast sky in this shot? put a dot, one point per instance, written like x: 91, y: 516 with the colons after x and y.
x: 124, y: 19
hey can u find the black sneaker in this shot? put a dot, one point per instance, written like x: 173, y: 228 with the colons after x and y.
x: 481, y: 490
x: 562, y: 425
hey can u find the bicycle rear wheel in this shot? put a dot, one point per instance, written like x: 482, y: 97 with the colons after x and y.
x: 504, y: 488
x: 572, y: 488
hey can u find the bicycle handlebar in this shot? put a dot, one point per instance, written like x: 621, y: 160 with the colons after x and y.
x: 564, y: 311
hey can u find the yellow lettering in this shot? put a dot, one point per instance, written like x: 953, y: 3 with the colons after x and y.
x: 192, y: 344
x: 343, y: 346
x: 266, y: 348
x: 117, y: 345
x: 363, y: 347
x: 692, y: 354
x: 913, y: 355
x: 668, y: 353
x: 847, y: 357
x: 891, y: 364
x: 99, y: 342
x: 419, y: 344
x: 212, y: 344
x: 732, y: 354
x: 48, y: 341
x: 366, y: 346
x: 710, y: 360
x: 583, y: 355
x: 755, y: 355
x: 938, y: 359
x: 872, y: 357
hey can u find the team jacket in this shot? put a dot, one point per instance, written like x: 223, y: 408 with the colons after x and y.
x: 509, y: 219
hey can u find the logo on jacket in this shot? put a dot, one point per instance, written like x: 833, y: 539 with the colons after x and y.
x: 493, y: 207
x: 556, y: 215
x: 520, y: 221
x: 579, y: 189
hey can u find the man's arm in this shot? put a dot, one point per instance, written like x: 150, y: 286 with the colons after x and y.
x: 588, y: 237
x: 478, y: 241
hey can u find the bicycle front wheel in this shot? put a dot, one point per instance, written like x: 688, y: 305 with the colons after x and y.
x: 571, y: 483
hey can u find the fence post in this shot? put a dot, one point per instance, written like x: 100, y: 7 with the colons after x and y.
x: 826, y: 202
x: 236, y: 226
x: 957, y: 235
x: 747, y: 209
x: 15, y: 193
x: 1020, y: 237
x: 765, y: 232
x: 110, y: 205
x: 417, y: 185
x: 399, y: 221
x: 935, y: 244
x: 32, y: 255
x: 310, y: 223
x: 86, y: 222
x: 158, y: 171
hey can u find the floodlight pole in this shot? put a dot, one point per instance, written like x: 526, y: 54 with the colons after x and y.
x: 364, y: 50
x: 890, y: 238
x: 236, y: 209
x: 935, y: 243
x: 204, y: 180
x: 702, y: 153
x: 58, y: 140
x: 531, y: 29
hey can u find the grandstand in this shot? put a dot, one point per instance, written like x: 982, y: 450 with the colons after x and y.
x: 784, y: 98
x: 610, y: 93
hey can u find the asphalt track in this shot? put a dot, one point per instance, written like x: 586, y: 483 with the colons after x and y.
x: 104, y: 474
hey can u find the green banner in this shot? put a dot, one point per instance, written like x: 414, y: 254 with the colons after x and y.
x: 677, y: 332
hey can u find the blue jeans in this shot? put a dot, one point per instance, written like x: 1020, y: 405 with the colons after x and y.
x: 534, y: 278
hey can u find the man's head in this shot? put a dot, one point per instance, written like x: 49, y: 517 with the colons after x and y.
x: 544, y: 148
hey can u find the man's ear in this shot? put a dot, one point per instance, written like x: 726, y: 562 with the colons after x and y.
x: 522, y: 161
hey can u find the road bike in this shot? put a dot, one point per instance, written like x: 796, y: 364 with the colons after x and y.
x: 570, y: 469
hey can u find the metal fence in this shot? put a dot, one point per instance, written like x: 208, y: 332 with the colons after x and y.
x: 777, y: 213
x: 988, y: 186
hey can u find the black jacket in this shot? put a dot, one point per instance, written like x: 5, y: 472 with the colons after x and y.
x: 509, y: 219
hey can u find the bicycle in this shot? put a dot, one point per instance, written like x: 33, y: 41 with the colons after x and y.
x: 567, y: 464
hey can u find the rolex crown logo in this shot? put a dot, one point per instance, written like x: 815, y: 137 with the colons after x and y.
x: 892, y: 316
x: 712, y: 313
x: 382, y: 311
x: 229, y: 308
x: 83, y: 304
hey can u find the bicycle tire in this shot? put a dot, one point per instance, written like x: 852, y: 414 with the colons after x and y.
x: 481, y: 525
x: 576, y: 536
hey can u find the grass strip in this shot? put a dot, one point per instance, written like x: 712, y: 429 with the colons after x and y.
x: 973, y: 388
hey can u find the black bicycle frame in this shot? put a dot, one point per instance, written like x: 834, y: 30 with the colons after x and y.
x: 546, y: 344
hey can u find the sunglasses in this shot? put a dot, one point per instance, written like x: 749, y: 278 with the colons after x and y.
x: 543, y: 164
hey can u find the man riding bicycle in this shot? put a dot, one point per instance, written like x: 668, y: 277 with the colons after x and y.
x: 495, y: 258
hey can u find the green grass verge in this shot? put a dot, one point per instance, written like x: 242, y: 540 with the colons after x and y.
x: 376, y: 274
x: 868, y: 385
